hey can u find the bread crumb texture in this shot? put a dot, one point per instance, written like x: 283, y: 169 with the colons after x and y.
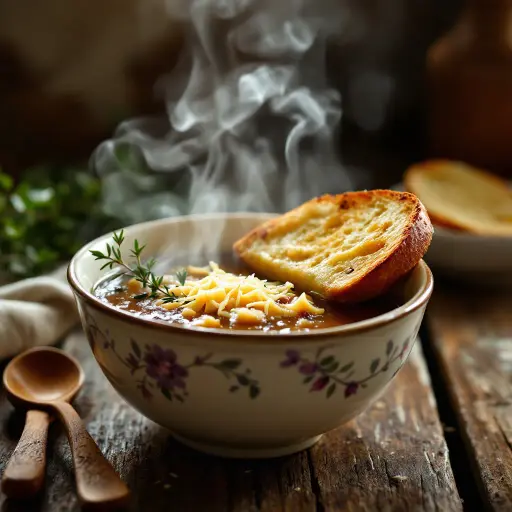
x: 349, y: 246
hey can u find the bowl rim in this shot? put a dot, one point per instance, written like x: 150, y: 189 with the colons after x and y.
x: 419, y: 299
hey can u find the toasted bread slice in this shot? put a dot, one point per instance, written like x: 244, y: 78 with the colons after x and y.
x: 349, y: 247
x: 459, y: 196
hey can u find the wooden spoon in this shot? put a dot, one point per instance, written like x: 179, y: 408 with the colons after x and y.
x: 47, y: 378
x: 24, y: 475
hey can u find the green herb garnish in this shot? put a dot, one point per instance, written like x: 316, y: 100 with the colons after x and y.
x: 181, y: 275
x: 139, y: 271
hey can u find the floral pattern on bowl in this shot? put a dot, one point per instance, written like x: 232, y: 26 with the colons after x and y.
x: 327, y: 372
x: 159, y: 369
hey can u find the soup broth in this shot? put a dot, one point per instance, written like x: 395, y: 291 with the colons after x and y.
x: 311, y: 313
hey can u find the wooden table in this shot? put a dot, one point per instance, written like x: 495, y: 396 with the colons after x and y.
x: 439, y: 439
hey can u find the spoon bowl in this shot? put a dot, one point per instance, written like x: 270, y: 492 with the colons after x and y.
x: 42, y: 375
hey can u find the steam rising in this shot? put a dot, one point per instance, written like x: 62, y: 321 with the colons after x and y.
x: 253, y: 127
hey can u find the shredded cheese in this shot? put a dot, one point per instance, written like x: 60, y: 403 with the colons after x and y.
x: 241, y: 299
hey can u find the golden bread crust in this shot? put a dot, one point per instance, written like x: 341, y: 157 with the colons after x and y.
x: 444, y: 223
x: 348, y: 247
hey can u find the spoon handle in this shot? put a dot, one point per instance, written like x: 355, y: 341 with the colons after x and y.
x: 24, y: 475
x: 97, y: 482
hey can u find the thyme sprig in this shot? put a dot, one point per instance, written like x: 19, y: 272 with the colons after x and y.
x: 141, y: 272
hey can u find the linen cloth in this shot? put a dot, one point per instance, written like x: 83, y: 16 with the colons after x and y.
x: 36, y: 311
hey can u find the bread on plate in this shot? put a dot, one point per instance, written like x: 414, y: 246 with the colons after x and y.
x: 461, y: 197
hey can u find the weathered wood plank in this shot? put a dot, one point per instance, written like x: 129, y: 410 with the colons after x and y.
x: 392, y: 458
x: 471, y: 334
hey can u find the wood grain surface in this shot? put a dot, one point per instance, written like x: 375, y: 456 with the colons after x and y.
x: 392, y: 458
x: 471, y: 334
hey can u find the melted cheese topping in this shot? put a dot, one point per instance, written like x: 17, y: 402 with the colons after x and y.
x: 243, y: 299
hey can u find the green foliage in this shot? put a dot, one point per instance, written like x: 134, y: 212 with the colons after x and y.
x: 47, y: 217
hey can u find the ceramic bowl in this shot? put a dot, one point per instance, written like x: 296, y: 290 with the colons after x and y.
x: 469, y: 258
x: 234, y: 393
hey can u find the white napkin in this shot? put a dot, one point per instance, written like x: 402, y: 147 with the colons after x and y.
x: 34, y: 312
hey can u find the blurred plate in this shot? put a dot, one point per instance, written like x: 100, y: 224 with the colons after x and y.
x: 483, y: 260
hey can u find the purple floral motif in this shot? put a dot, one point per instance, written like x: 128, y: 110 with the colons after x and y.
x: 163, y: 371
x: 162, y: 366
x: 351, y: 389
x: 320, y: 383
x: 158, y: 369
x: 308, y: 368
x: 326, y: 372
x: 292, y: 358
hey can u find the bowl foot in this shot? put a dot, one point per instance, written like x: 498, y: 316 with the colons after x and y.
x: 232, y: 452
